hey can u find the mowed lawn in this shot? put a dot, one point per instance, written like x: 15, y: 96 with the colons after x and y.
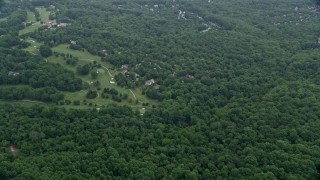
x: 31, y: 17
x: 3, y: 19
x: 104, y: 77
x: 34, y: 46
x: 84, y: 55
x: 33, y: 27
x: 44, y: 16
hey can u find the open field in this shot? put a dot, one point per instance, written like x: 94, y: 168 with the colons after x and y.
x: 105, y: 77
x: 34, y: 46
x: 31, y: 17
x: 30, y: 28
x: 84, y: 55
x: 3, y: 19
x: 44, y: 14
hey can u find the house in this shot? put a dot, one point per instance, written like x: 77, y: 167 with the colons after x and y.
x: 150, y: 82
x: 125, y: 66
x: 124, y: 71
x: 52, y: 7
x: 64, y: 24
x: 136, y: 75
x: 50, y: 23
x: 104, y: 52
x: 12, y: 73
x: 73, y: 42
x: 190, y: 76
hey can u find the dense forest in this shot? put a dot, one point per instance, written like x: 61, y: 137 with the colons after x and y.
x: 234, y: 88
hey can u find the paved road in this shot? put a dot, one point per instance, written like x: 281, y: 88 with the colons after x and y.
x: 107, y: 70
x: 133, y: 94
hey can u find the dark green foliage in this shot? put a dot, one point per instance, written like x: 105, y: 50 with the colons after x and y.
x: 46, y: 94
x: 45, y: 51
x: 91, y: 94
x: 116, y: 98
x: 111, y: 91
x: 114, y: 94
x: 154, y: 94
x: 10, y: 41
x: 20, y: 67
x: 71, y: 61
x: 14, y: 22
x: 126, y: 80
x: 83, y: 70
x: 118, y: 143
x: 76, y: 102
x: 237, y: 84
x: 94, y: 74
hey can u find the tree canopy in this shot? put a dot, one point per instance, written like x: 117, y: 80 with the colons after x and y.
x: 159, y: 89
x: 45, y: 51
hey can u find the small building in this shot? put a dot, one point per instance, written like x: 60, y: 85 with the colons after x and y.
x: 125, y: 66
x: 73, y: 42
x: 104, y: 52
x: 63, y: 24
x: 150, y: 82
x: 50, y: 23
x: 190, y: 76
x: 52, y: 7
x: 12, y: 73
x: 136, y: 75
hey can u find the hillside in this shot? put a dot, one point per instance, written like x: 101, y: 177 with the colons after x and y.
x: 159, y: 89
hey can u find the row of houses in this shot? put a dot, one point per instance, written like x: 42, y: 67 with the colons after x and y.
x: 125, y: 67
x: 54, y: 23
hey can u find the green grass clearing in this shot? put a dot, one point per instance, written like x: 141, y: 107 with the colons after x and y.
x: 84, y: 55
x: 44, y: 14
x: 31, y: 17
x: 3, y: 19
x: 33, y: 27
x: 104, y: 78
x: 34, y: 46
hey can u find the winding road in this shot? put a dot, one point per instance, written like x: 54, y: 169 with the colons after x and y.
x: 133, y: 94
x: 108, y: 71
x: 135, y: 97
